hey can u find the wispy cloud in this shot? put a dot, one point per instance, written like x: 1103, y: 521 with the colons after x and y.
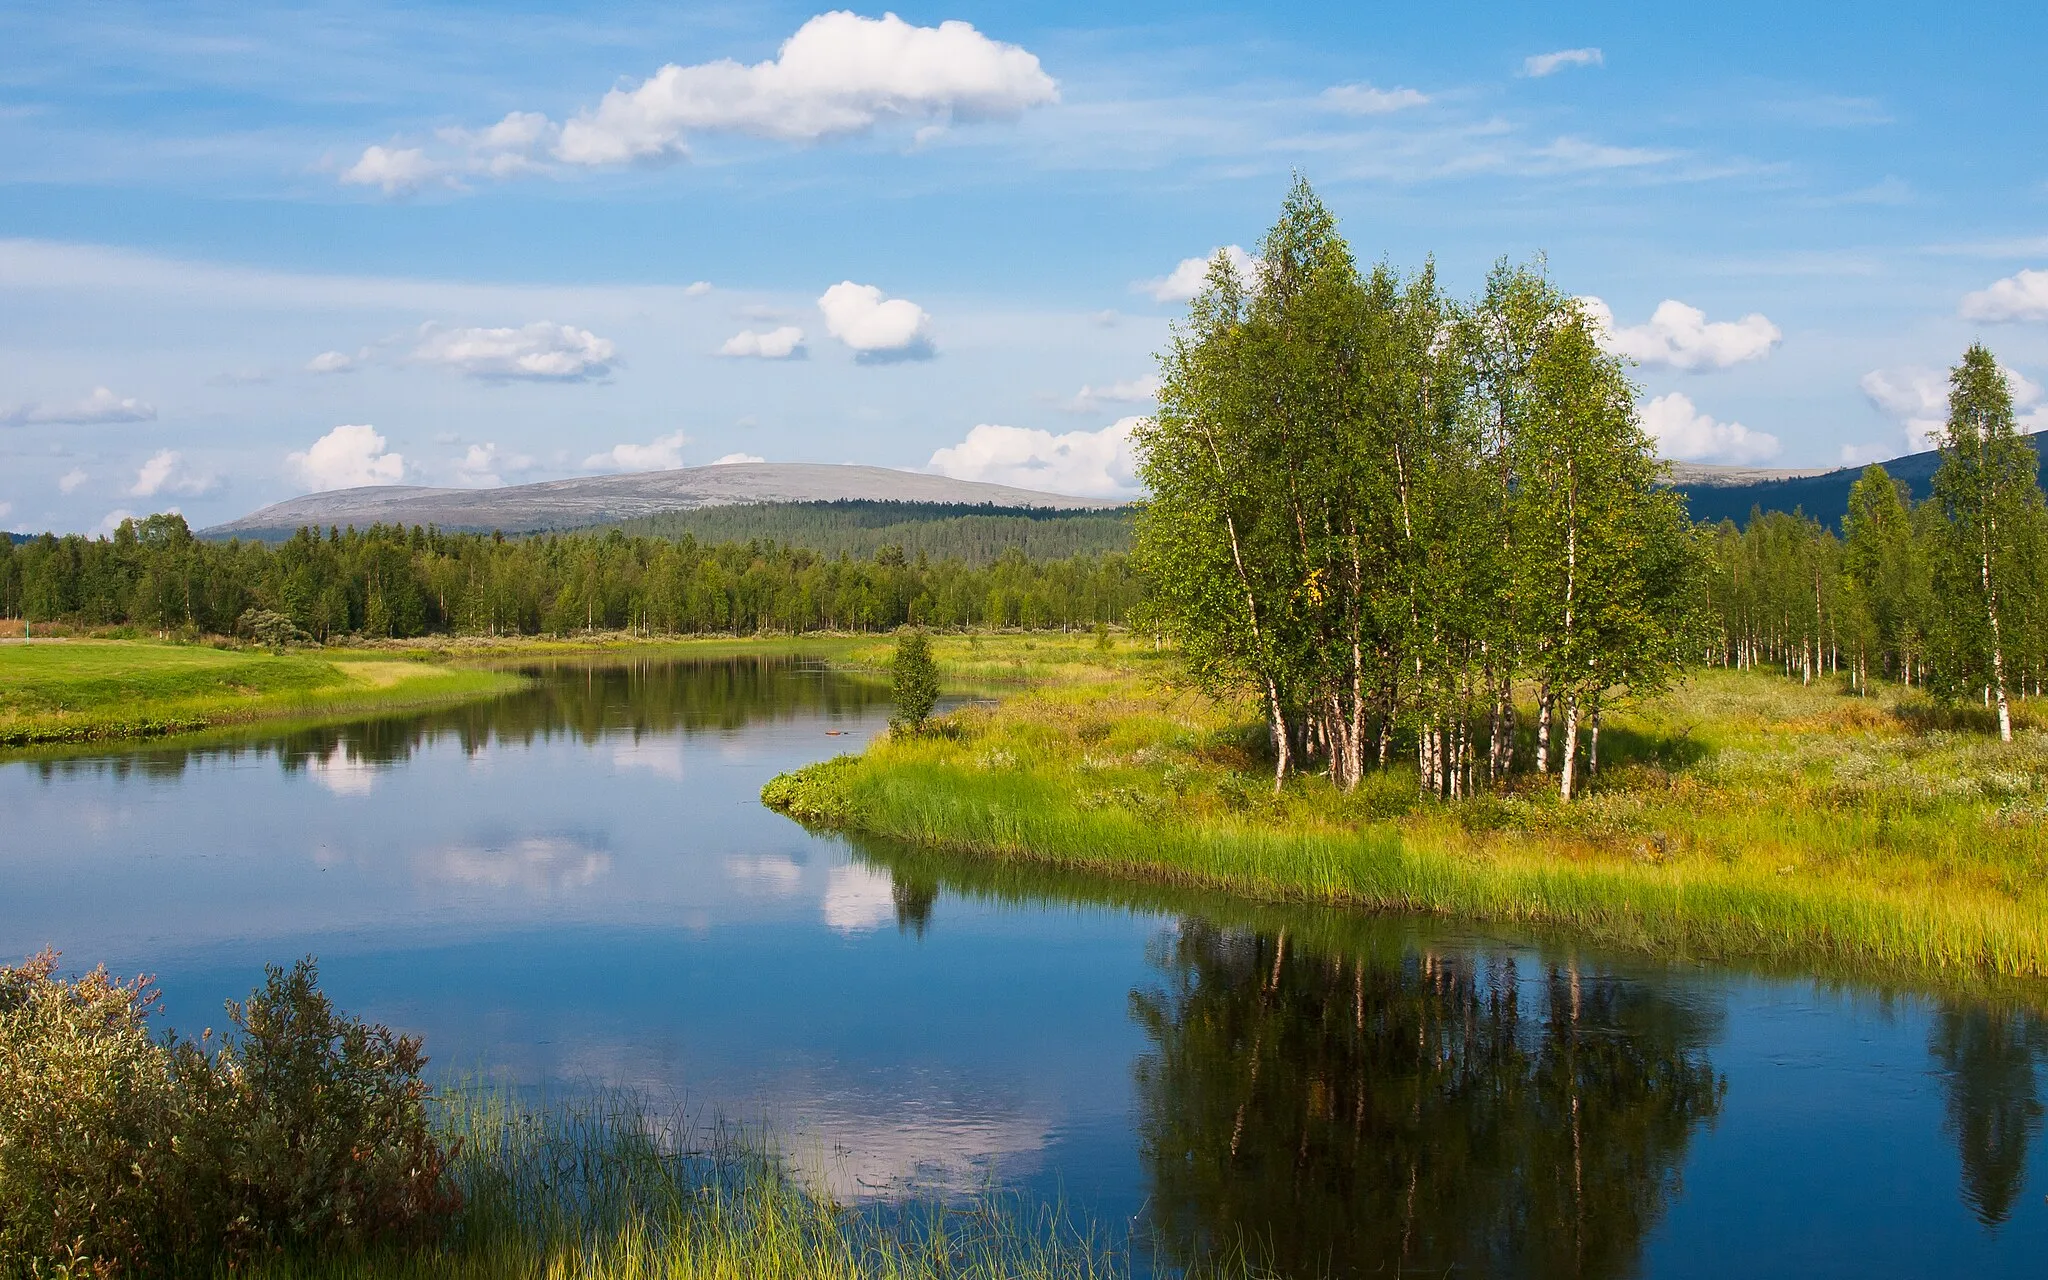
x: 101, y: 407
x: 1365, y: 100
x: 1545, y: 64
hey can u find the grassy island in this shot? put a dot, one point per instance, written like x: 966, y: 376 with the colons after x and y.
x: 1741, y: 814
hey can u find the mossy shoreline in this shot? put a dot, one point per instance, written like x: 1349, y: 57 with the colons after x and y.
x: 1740, y: 817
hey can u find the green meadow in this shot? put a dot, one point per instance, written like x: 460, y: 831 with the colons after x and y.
x: 1739, y: 815
x: 94, y: 690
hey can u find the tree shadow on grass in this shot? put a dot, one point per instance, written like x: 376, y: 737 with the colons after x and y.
x: 1930, y: 715
x: 1621, y: 746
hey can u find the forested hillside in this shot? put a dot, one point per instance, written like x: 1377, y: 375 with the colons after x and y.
x: 974, y: 535
x: 387, y: 581
x: 1824, y: 497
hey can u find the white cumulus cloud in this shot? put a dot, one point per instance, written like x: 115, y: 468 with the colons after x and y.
x: 99, y: 408
x: 878, y: 328
x: 1140, y: 390
x: 1684, y: 433
x: 733, y: 459
x: 539, y: 352
x: 1092, y: 463
x: 166, y: 472
x: 1543, y: 64
x: 785, y: 343
x: 665, y: 453
x: 839, y: 74
x: 1918, y: 398
x: 70, y: 480
x: 1681, y: 337
x: 1185, y: 280
x: 484, y: 465
x: 2017, y: 297
x: 112, y: 521
x: 347, y: 457
x: 398, y: 171
x: 1365, y: 100
x: 332, y: 362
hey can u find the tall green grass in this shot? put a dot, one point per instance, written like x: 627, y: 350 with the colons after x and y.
x: 594, y: 1190
x: 1739, y: 816
x: 100, y: 690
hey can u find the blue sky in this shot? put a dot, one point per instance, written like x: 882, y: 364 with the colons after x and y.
x: 500, y: 243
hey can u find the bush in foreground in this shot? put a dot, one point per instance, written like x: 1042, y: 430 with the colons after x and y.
x: 123, y: 1153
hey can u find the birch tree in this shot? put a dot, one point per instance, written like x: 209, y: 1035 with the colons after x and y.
x: 1988, y: 494
x: 1590, y: 529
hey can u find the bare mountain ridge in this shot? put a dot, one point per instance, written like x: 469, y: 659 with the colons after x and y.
x: 588, y: 500
x: 1712, y: 492
x: 1713, y: 475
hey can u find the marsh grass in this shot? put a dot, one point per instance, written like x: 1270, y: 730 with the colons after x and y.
x: 593, y: 1189
x: 1739, y: 815
x: 101, y: 690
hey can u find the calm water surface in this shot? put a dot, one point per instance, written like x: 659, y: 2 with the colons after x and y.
x: 576, y: 886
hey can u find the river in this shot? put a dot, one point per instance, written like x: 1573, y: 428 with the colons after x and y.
x: 576, y: 886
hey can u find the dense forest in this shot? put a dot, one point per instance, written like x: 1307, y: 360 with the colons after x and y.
x: 388, y: 581
x: 1945, y: 593
x: 977, y: 535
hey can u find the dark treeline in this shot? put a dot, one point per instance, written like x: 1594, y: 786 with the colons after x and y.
x: 976, y: 535
x: 1943, y: 594
x: 390, y: 581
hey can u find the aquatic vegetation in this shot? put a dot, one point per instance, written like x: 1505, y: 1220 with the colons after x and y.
x: 591, y: 1189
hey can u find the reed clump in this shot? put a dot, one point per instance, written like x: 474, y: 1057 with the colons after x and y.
x: 1738, y: 815
x: 592, y: 1190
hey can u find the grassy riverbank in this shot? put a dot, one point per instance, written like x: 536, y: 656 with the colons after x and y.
x: 1740, y: 815
x: 78, y: 690
x: 100, y: 690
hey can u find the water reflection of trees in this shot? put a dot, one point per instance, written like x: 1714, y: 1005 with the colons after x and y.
x: 587, y: 701
x: 1987, y: 1055
x: 1447, y: 1110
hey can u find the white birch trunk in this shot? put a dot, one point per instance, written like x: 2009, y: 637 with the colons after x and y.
x: 1571, y: 747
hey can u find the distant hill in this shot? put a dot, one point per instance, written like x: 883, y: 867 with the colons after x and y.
x: 1714, y: 494
x: 591, y: 500
x: 975, y: 534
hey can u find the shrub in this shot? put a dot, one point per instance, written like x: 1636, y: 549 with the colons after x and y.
x: 87, y: 1121
x: 121, y: 1153
x: 270, y: 629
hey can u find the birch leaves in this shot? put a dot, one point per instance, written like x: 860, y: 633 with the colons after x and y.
x: 1376, y: 508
